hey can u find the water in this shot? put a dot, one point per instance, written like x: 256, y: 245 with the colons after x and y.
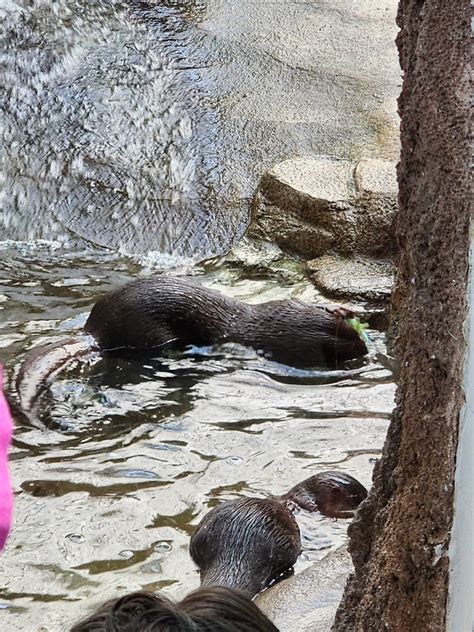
x: 103, y: 128
x: 159, y: 118
x: 138, y: 452
x: 126, y: 127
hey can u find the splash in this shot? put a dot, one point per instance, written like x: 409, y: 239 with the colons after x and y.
x: 102, y: 134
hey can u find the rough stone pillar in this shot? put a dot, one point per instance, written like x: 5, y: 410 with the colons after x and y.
x: 399, y: 541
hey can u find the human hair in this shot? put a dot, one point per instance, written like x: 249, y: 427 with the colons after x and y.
x: 209, y: 609
x: 232, y: 609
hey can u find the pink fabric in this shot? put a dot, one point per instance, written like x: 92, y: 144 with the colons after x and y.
x: 6, y: 493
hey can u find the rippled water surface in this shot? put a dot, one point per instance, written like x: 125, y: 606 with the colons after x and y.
x: 106, y: 124
x: 139, y: 126
x: 137, y: 452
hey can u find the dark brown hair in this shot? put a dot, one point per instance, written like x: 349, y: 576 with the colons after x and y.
x: 211, y: 609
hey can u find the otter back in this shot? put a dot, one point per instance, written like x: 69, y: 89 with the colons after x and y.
x: 159, y: 312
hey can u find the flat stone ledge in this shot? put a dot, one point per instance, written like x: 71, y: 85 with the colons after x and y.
x: 316, y: 206
x: 318, y: 181
x: 352, y: 279
x: 374, y: 176
x: 307, y: 602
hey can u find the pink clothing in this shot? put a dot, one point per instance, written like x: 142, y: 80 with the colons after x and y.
x: 6, y: 493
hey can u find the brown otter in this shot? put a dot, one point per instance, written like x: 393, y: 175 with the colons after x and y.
x: 247, y: 544
x: 251, y: 543
x: 159, y: 312
x: 148, y: 316
x: 334, y: 494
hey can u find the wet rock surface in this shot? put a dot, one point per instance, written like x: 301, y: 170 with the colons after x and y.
x: 260, y: 259
x: 337, y: 213
x: 114, y: 152
x: 356, y: 279
x: 313, y: 206
x: 307, y: 602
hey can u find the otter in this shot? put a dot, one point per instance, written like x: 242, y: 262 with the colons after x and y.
x: 252, y: 543
x: 334, y: 494
x: 161, y: 312
x: 249, y: 544
x: 152, y: 315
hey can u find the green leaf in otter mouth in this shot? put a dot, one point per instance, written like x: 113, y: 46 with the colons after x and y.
x: 359, y: 327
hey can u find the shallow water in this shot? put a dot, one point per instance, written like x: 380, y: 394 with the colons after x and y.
x: 146, y: 131
x: 137, y: 452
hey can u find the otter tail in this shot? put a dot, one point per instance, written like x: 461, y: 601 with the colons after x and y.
x: 43, y: 364
x: 334, y: 494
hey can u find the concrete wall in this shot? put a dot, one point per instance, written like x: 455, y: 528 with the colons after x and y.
x: 400, y: 539
x: 460, y: 615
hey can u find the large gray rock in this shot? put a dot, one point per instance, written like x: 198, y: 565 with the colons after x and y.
x: 356, y: 279
x: 307, y: 602
x: 314, y: 206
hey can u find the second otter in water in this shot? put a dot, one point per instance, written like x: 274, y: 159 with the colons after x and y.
x: 251, y: 543
x: 148, y: 316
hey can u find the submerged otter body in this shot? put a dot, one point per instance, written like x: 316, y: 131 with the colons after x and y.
x: 251, y: 543
x: 152, y: 315
x: 165, y: 312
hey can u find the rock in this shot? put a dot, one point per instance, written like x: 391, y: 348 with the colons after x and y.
x: 376, y: 177
x: 377, y: 189
x: 307, y: 602
x: 377, y: 318
x: 319, y: 181
x: 251, y: 254
x: 258, y: 271
x: 338, y: 214
x: 361, y: 278
x: 259, y: 259
x: 315, y: 206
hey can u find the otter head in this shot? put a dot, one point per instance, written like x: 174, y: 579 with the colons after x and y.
x: 334, y: 494
x: 247, y: 544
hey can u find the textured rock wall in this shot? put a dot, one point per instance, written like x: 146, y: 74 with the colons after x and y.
x: 399, y: 539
